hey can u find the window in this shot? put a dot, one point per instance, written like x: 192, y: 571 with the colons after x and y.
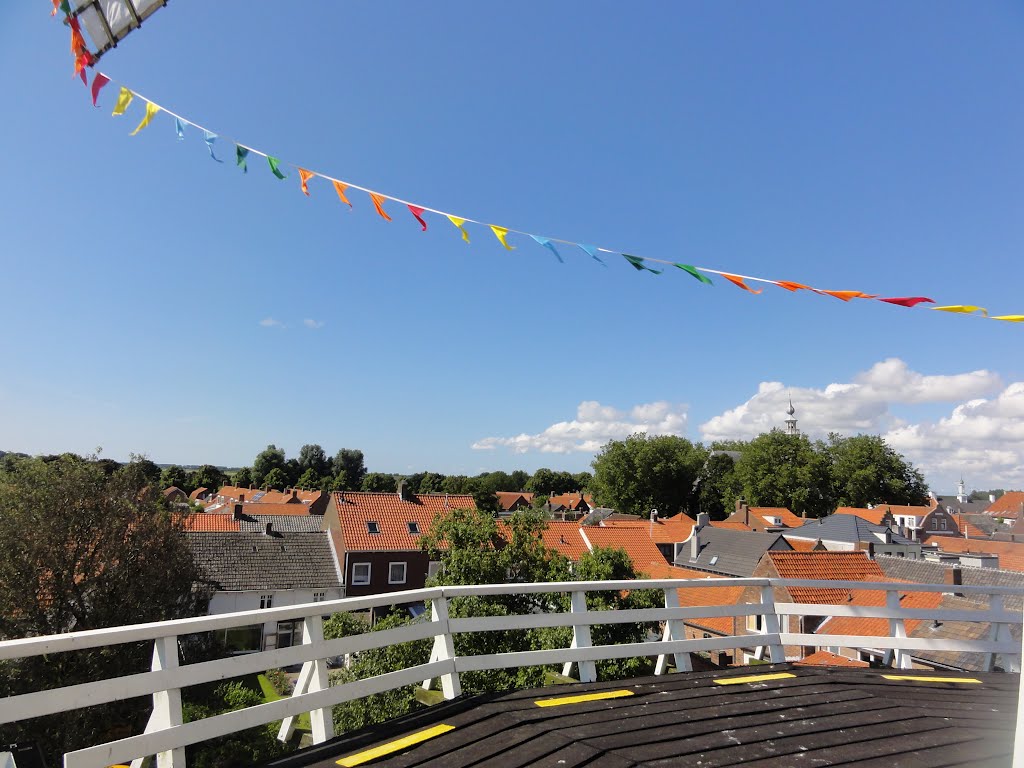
x: 942, y: 522
x: 266, y: 601
x: 414, y: 528
x: 243, y: 639
x: 396, y: 573
x: 714, y: 560
x: 372, y: 526
x: 318, y: 597
x: 754, y: 623
x: 360, y: 573
x: 289, y: 633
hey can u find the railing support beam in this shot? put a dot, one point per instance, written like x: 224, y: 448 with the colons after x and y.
x: 580, y: 639
x: 674, y: 630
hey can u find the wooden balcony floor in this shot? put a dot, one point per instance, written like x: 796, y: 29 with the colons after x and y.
x: 807, y: 716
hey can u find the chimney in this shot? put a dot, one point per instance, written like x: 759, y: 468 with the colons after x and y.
x: 991, y: 497
x: 237, y: 514
x: 241, y: 498
x: 695, y: 543
x: 401, y: 489
x: 703, y: 519
x: 295, y: 494
x: 268, y: 529
x: 955, y: 577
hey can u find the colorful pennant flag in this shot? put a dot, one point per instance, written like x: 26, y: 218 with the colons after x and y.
x: 416, y: 211
x: 846, y: 295
x: 98, y: 81
x: 378, y: 203
x: 458, y: 223
x: 241, y: 153
x: 591, y: 251
x: 963, y: 309
x: 274, y: 163
x: 209, y: 137
x: 124, y: 98
x: 340, y: 187
x: 695, y: 272
x: 151, y: 110
x: 179, y: 128
x: 501, y: 233
x: 1009, y: 318
x: 789, y: 285
x: 638, y: 264
x: 738, y: 281
x: 304, y: 177
x: 908, y: 301
x: 549, y: 245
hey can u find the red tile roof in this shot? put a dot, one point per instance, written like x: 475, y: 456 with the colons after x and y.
x: 968, y: 528
x: 831, y: 566
x: 734, y: 526
x: 260, y: 508
x: 690, y: 597
x: 210, y: 521
x: 1008, y: 505
x: 788, y: 518
x: 572, y: 501
x: 829, y: 659
x: 669, y: 531
x: 1011, y: 553
x: 564, y: 537
x: 195, y: 494
x: 873, y: 515
x: 508, y: 499
x: 392, y: 514
x: 800, y: 545
x: 874, y: 627
x: 635, y: 541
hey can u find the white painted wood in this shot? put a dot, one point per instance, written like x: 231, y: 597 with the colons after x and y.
x: 301, y: 686
x: 1018, y: 738
x: 321, y: 720
x: 897, y: 629
x: 885, y: 612
x: 771, y: 624
x: 7, y: 760
x: 587, y: 670
x: 444, y: 647
x: 674, y: 630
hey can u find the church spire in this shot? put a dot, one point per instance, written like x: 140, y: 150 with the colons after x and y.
x: 791, y: 421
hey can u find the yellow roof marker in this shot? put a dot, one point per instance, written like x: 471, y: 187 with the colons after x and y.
x: 933, y: 679
x: 394, y: 746
x: 752, y: 678
x: 581, y: 698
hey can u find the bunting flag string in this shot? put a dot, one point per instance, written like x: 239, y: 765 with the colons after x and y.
x: 125, y: 97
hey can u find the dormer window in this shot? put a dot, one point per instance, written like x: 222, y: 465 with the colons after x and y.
x: 372, y: 526
x: 414, y: 528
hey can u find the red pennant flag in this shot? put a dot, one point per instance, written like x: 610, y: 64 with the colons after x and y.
x: 416, y: 211
x: 789, y: 285
x: 738, y: 281
x: 908, y: 301
x: 84, y: 59
x: 98, y: 82
x: 340, y: 187
x: 847, y: 295
x: 304, y: 177
x: 378, y: 203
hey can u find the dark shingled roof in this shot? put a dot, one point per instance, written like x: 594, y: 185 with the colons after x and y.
x: 282, y: 523
x: 957, y: 630
x: 738, y: 552
x: 245, y: 561
x: 846, y: 528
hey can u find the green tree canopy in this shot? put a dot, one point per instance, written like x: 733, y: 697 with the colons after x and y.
x: 275, y: 478
x: 242, y: 478
x: 380, y: 482
x: 351, y: 462
x: 208, y: 476
x: 313, y: 457
x: 777, y: 469
x: 175, y: 476
x: 865, y: 470
x: 267, y: 460
x: 642, y: 473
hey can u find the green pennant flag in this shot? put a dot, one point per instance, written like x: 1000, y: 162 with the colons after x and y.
x: 638, y: 264
x: 240, y: 154
x: 273, y: 166
x: 693, y: 271
x: 65, y: 6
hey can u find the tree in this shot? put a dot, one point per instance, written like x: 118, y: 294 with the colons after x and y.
x: 777, y: 469
x: 309, y: 479
x: 268, y: 459
x: 175, y: 476
x: 582, y: 480
x: 865, y: 470
x: 84, y: 550
x: 457, y: 484
x: 642, y: 473
x: 542, y: 481
x: 518, y: 480
x: 350, y: 461
x: 275, y: 478
x: 148, y: 469
x: 312, y: 457
x: 242, y: 478
x: 208, y: 476
x: 717, y: 486
x: 380, y: 482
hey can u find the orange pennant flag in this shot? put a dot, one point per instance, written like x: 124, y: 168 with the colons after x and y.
x: 738, y: 281
x: 789, y: 285
x: 340, y: 188
x: 847, y: 295
x: 378, y: 203
x: 304, y: 177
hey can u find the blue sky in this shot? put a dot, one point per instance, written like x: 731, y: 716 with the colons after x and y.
x: 157, y: 302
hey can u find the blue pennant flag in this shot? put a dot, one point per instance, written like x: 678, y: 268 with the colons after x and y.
x: 591, y: 251
x: 549, y: 245
x: 209, y: 138
x: 179, y: 127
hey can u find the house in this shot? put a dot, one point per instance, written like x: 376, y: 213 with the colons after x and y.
x: 315, y: 502
x: 175, y: 496
x: 268, y: 569
x: 764, y: 519
x: 1009, y: 506
x: 511, y: 501
x: 725, y: 551
x: 634, y: 541
x: 849, y: 533
x: 578, y: 503
x: 377, y: 536
x: 913, y: 522
x: 199, y: 494
x: 664, y: 532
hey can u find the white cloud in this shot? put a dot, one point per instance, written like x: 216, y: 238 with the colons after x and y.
x: 314, y: 324
x: 595, y: 425
x: 269, y: 322
x: 983, y: 437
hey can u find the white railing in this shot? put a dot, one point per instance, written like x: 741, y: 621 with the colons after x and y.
x: 166, y: 735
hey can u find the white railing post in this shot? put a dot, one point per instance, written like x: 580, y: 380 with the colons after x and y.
x: 444, y: 648
x: 674, y: 630
x: 771, y: 626
x: 312, y: 678
x: 897, y: 628
x: 167, y: 704
x: 580, y: 639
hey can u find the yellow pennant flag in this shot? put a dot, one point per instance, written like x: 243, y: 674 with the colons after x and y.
x: 458, y: 223
x: 151, y: 109
x: 124, y: 98
x: 1009, y: 318
x: 963, y: 309
x: 501, y: 233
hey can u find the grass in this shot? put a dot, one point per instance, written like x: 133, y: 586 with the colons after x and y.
x: 271, y: 694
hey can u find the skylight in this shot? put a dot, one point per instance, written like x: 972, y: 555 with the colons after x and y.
x: 372, y: 526
x: 414, y: 528
x: 713, y: 560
